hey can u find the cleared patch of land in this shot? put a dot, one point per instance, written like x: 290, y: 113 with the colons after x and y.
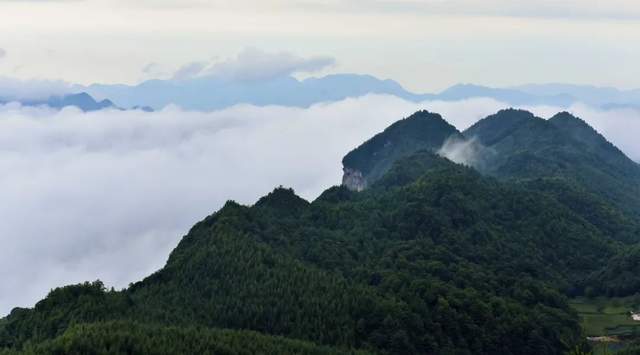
x: 607, y: 316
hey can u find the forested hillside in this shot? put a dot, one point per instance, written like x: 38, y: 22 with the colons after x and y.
x: 432, y: 257
x: 564, y: 147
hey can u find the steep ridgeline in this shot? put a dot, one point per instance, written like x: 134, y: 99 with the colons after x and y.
x: 563, y: 148
x: 432, y: 258
x: 370, y: 161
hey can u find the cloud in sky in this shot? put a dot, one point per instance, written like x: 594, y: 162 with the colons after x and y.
x: 109, y: 194
x: 190, y: 70
x: 11, y: 88
x: 150, y: 68
x: 523, y: 8
x: 153, y: 70
x: 3, y: 53
x: 253, y: 64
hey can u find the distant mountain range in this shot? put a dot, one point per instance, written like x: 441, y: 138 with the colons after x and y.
x: 82, y: 100
x: 210, y: 93
x: 596, y: 96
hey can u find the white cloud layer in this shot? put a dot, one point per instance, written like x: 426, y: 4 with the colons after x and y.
x: 109, y: 194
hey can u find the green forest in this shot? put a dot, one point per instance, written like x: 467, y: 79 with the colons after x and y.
x: 433, y: 257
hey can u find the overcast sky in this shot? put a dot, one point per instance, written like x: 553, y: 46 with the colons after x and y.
x: 426, y: 45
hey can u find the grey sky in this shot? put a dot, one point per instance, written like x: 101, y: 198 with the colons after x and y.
x: 425, y: 45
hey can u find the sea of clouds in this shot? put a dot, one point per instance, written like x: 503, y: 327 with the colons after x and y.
x: 108, y: 194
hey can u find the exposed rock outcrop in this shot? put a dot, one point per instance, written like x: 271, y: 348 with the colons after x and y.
x: 353, y: 179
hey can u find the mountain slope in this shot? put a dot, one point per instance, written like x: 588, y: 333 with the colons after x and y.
x: 115, y: 338
x: 564, y: 147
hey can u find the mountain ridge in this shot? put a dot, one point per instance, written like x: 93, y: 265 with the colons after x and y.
x: 211, y: 93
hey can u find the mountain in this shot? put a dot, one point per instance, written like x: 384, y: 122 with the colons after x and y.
x: 82, y: 100
x: 432, y: 257
x: 557, y: 95
x: 210, y: 92
x: 509, y: 96
x: 370, y: 161
x: 213, y: 92
x: 563, y: 147
x: 593, y: 95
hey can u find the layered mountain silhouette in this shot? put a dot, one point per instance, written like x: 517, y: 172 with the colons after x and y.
x: 82, y: 101
x: 211, y: 92
x: 427, y: 256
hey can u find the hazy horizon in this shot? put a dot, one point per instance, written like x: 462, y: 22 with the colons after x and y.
x: 424, y: 45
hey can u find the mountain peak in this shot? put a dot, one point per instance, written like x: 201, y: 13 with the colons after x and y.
x: 576, y: 127
x: 565, y: 115
x: 422, y: 130
x: 282, y: 199
x: 592, y: 141
x: 499, y: 125
x: 81, y: 100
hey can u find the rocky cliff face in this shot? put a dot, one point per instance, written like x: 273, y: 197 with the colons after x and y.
x: 353, y: 179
